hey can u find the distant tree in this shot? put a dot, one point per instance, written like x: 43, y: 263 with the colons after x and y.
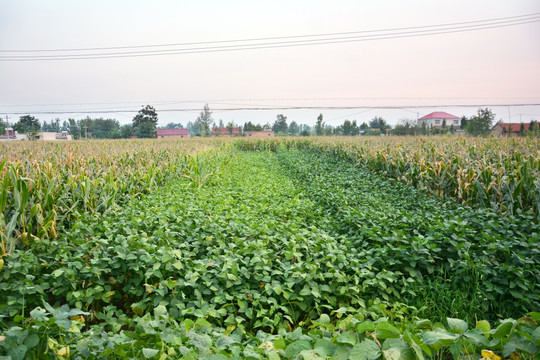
x: 379, y: 123
x: 126, y: 131
x: 444, y: 129
x: 230, y: 127
x: 145, y: 122
x: 424, y: 130
x: 74, y: 129
x: 249, y: 126
x: 27, y: 124
x: 355, y: 129
x: 406, y: 127
x: 280, y: 125
x: 193, y: 129
x: 480, y: 124
x: 364, y: 126
x: 173, y: 125
x: 319, y: 125
x: 221, y: 125
x: 522, y: 129
x: 267, y: 126
x: 205, y: 121
x: 464, y: 121
x: 346, y: 128
x: 294, y: 129
x: 534, y: 128
x: 305, y: 130
x: 3, y: 126
x: 452, y: 129
x: 56, y: 125
x: 328, y: 130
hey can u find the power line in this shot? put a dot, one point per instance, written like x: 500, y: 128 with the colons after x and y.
x: 319, y: 40
x: 274, y: 108
x: 171, y: 102
x: 273, y: 38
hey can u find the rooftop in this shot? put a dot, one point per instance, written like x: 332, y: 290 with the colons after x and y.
x: 439, y: 115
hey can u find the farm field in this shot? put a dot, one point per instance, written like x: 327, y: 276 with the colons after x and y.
x: 272, y: 249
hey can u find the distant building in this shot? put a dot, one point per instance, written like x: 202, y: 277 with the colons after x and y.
x: 172, y: 134
x: 12, y: 135
x: 436, y: 119
x: 53, y: 136
x: 509, y: 129
x: 259, y: 134
x: 227, y: 132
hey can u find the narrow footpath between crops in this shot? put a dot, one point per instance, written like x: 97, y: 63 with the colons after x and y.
x: 278, y: 241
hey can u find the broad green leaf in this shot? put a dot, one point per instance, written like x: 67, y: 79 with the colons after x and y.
x: 483, y: 325
x: 364, y: 326
x: 324, y: 319
x: 438, y: 336
x: 503, y: 329
x: 149, y: 353
x: 296, y: 347
x: 457, y: 324
x: 365, y: 350
x: 310, y: 355
x: 324, y: 347
x: 385, y: 330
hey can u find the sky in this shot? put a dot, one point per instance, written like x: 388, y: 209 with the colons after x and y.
x: 394, y: 77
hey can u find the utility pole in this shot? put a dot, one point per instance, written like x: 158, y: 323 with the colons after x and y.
x: 86, y: 130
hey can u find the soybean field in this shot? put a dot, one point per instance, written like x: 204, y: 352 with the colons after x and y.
x: 343, y: 248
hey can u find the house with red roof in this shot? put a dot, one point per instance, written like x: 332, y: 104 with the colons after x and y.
x: 438, y: 118
x: 227, y: 132
x: 509, y: 129
x: 172, y: 134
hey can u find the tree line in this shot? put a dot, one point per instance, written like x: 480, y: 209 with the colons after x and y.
x: 144, y: 125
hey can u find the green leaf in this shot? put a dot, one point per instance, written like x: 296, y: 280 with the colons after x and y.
x: 324, y: 347
x: 279, y: 343
x: 31, y: 341
x: 364, y: 326
x: 310, y: 355
x: 438, y: 336
x: 366, y: 350
x: 347, y: 337
x: 392, y: 354
x: 149, y: 353
x: 503, y: 329
x: 399, y: 347
x: 483, y: 325
x: 457, y: 324
x: 477, y: 338
x: 161, y: 312
x: 385, y: 330
x: 324, y: 319
x: 56, y: 273
x: 296, y: 347
x: 214, y: 357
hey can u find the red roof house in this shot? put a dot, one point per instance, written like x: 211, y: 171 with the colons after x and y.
x: 512, y: 129
x: 172, y: 133
x: 235, y: 131
x: 437, y: 118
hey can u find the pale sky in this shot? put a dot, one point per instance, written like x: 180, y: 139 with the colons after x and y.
x: 500, y: 65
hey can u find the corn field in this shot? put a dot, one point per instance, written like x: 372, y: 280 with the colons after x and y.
x: 499, y: 173
x: 45, y: 186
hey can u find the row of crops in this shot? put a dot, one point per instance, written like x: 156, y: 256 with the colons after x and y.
x: 498, y: 173
x: 47, y: 186
x: 300, y: 252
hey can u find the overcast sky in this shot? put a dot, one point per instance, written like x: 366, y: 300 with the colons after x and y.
x: 500, y: 65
